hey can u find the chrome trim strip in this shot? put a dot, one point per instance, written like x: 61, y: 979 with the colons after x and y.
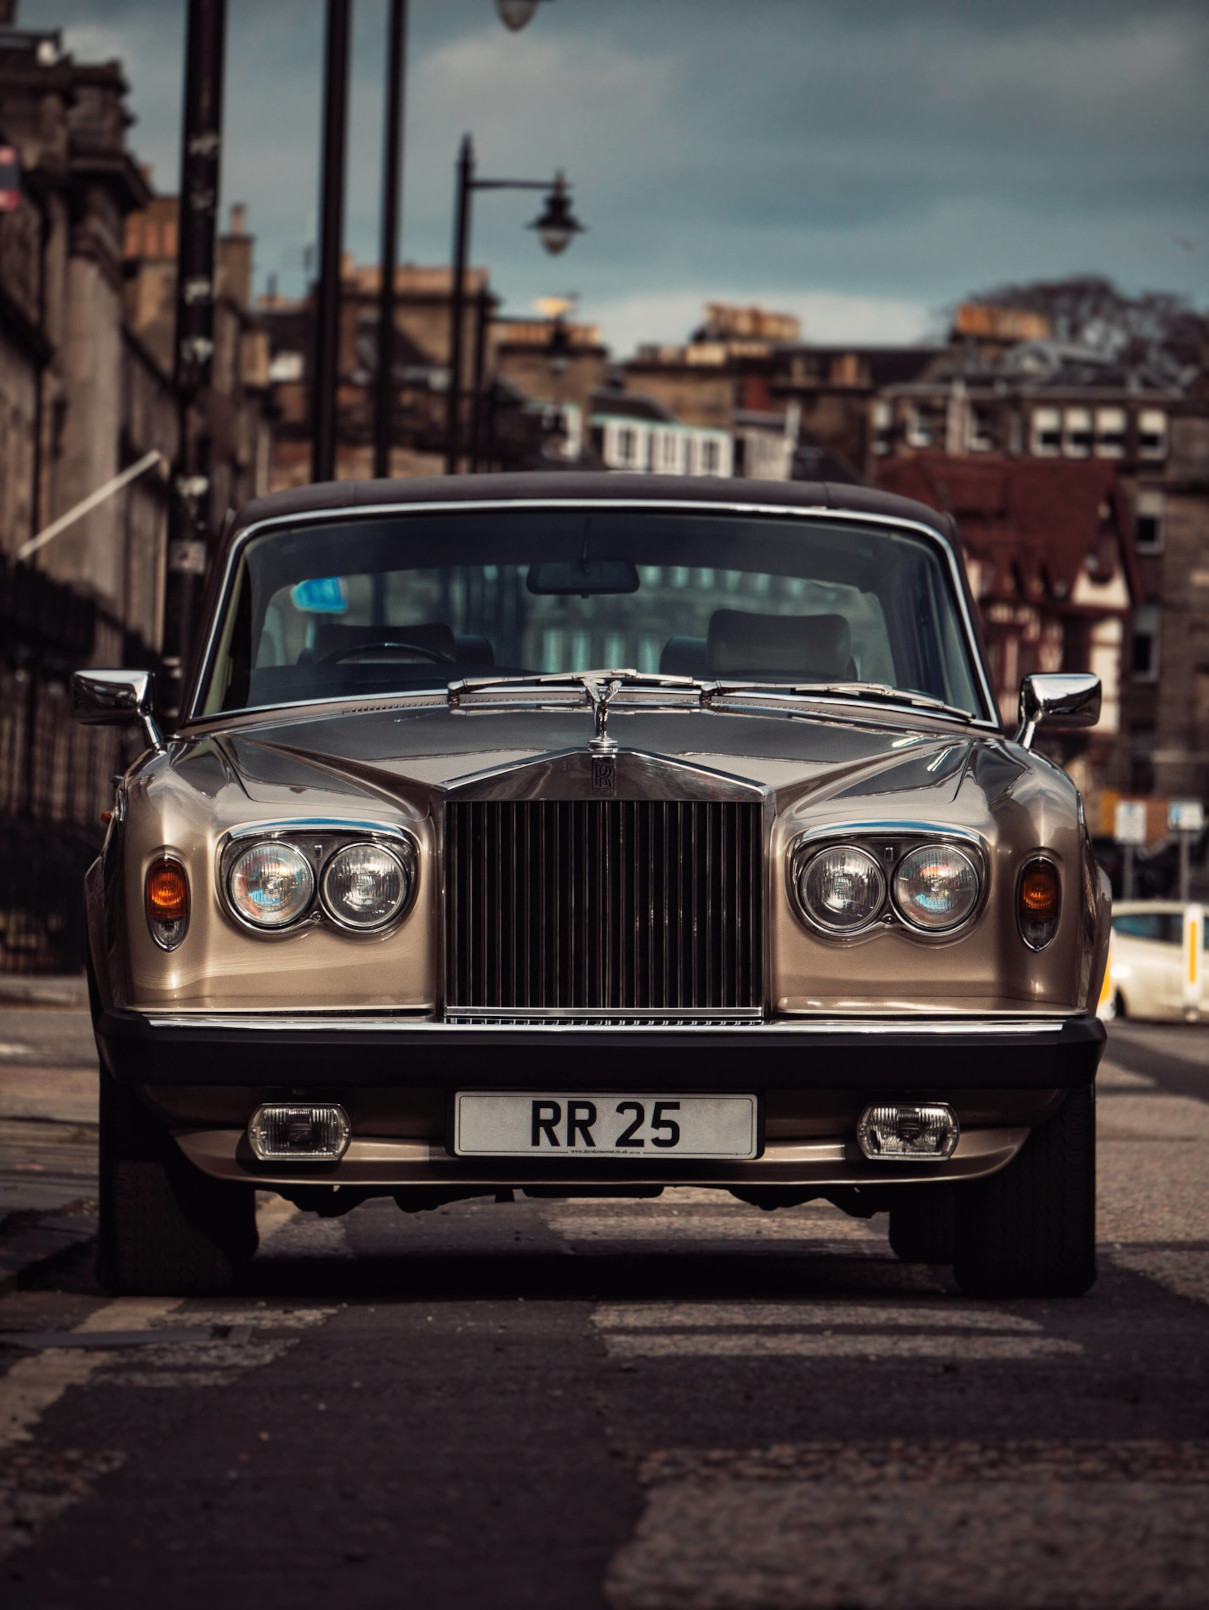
x: 813, y: 512
x: 636, y: 1016
x: 371, y: 1025
x: 314, y: 824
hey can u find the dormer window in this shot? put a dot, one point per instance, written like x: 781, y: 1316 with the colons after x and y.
x: 1152, y: 433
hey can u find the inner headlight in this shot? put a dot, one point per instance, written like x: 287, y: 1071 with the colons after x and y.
x: 365, y: 885
x: 271, y: 885
x: 936, y: 887
x: 841, y: 889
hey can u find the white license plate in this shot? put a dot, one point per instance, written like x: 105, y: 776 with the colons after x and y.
x: 644, y: 1128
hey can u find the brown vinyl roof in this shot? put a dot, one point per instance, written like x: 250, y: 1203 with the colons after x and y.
x: 572, y: 485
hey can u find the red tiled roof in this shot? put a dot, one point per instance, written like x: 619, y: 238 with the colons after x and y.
x: 1035, y: 523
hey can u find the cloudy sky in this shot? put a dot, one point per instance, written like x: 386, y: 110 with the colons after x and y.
x: 863, y: 163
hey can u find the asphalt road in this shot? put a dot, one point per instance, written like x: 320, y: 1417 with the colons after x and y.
x: 678, y: 1403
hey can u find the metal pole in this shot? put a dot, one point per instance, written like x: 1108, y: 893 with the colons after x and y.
x: 461, y: 245
x: 201, y: 147
x: 396, y: 68
x: 331, y: 212
x: 92, y: 501
x: 1185, y: 864
x: 1129, y: 881
x: 482, y: 315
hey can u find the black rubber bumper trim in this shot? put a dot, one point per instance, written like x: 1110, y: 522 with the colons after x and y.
x: 138, y: 1052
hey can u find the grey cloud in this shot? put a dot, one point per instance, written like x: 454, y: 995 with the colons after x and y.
x: 819, y: 145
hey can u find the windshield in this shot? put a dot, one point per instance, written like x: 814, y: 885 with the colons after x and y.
x: 396, y: 602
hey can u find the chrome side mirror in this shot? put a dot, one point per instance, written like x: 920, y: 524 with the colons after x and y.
x: 115, y: 699
x: 1059, y: 700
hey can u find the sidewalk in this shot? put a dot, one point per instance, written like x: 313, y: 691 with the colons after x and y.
x: 48, y: 1125
x: 43, y: 989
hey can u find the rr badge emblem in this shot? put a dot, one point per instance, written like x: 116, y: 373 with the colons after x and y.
x: 604, y: 776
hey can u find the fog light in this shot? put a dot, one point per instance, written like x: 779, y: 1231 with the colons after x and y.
x: 300, y: 1132
x: 908, y: 1131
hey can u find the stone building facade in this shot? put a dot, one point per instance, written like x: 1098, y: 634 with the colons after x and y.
x: 86, y: 392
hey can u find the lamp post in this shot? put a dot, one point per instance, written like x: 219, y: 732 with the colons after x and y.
x: 384, y: 393
x: 514, y: 14
x: 557, y: 227
x: 201, y: 150
x: 331, y: 213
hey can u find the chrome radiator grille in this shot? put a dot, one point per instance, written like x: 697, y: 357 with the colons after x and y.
x: 603, y: 908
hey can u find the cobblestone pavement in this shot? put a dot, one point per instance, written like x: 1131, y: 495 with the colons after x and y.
x: 642, y: 1405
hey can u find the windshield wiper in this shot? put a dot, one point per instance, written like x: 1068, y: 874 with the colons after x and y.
x: 880, y: 691
x: 594, y: 682
x: 576, y: 679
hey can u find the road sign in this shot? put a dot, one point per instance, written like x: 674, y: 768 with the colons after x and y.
x: 1186, y: 816
x: 10, y: 179
x: 1129, y: 823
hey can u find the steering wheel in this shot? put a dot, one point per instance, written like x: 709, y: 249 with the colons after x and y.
x: 436, y: 655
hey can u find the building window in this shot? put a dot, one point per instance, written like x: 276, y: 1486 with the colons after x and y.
x: 1148, y: 522
x: 689, y: 464
x: 883, y: 428
x: 1141, y: 760
x: 1110, y: 432
x: 1078, y: 436
x: 669, y: 451
x: 709, y: 458
x: 919, y: 428
x: 1145, y: 655
x: 982, y: 430
x: 1152, y: 433
x: 627, y: 444
x: 1047, y: 432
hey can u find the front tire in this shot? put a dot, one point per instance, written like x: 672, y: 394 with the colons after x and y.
x: 166, y: 1229
x: 1030, y: 1229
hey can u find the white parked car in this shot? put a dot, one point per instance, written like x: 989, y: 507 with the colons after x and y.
x: 1156, y: 962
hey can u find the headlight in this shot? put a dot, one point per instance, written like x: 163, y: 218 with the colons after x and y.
x: 364, y: 886
x: 841, y: 889
x: 935, y: 887
x: 271, y: 885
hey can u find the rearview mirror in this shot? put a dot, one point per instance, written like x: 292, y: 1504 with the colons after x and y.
x: 583, y: 576
x: 115, y: 699
x: 1059, y: 701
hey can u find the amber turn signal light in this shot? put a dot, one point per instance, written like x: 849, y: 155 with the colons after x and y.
x: 1039, y: 891
x: 1039, y: 902
x: 167, y: 891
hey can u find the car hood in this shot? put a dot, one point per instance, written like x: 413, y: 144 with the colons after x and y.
x: 864, y: 764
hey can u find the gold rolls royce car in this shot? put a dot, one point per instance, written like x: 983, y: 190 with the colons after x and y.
x: 596, y: 834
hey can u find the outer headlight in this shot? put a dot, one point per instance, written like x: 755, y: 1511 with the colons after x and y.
x: 841, y: 889
x: 936, y: 887
x: 271, y: 885
x: 365, y: 886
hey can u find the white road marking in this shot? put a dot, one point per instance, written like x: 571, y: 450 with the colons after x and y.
x: 11, y: 1048
x: 655, y: 1224
x: 846, y: 1344
x: 811, y: 1314
x: 34, y: 1384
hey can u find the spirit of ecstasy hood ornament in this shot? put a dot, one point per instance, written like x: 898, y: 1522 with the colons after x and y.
x: 601, y: 744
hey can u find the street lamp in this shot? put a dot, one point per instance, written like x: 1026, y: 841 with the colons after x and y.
x: 515, y: 14
x: 557, y: 226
